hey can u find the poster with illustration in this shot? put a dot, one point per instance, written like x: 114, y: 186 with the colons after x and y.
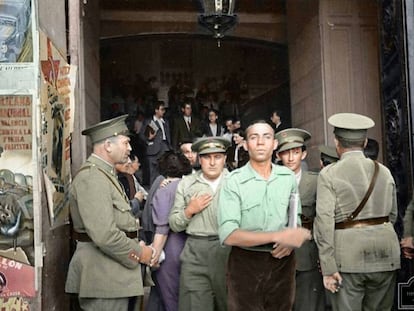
x: 57, y: 103
x: 16, y: 173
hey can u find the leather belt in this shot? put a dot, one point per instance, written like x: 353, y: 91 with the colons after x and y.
x: 204, y: 237
x: 307, y: 222
x: 307, y: 225
x: 361, y: 223
x: 84, y: 237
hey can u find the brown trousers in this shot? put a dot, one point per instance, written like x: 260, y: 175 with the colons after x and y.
x: 256, y: 281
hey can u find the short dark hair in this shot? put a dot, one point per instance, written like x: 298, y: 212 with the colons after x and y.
x: 240, y: 131
x: 371, y: 150
x: 276, y: 111
x: 213, y: 110
x: 158, y: 104
x: 348, y: 143
x: 174, y: 164
x: 186, y: 101
x: 259, y: 121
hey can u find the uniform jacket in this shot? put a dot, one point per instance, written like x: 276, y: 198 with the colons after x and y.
x: 203, y: 223
x: 341, y: 187
x: 307, y: 254
x: 154, y: 147
x: 108, y: 267
x: 181, y: 133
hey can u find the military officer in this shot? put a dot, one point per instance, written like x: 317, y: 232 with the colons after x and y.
x: 310, y: 293
x: 355, y: 211
x: 328, y: 155
x: 203, y: 260
x: 104, y: 228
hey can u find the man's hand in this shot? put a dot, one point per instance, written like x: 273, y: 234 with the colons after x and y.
x: 139, y: 196
x: 332, y: 282
x: 151, y: 135
x: 292, y: 237
x: 197, y: 204
x: 280, y: 251
x: 147, y: 253
x: 407, y: 247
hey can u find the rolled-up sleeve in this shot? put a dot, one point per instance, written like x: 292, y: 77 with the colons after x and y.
x: 229, y: 209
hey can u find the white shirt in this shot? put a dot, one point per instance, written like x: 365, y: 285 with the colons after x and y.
x: 161, y: 123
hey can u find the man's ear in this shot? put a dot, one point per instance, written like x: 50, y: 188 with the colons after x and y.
x: 107, y: 145
x: 275, y: 144
x: 304, y: 154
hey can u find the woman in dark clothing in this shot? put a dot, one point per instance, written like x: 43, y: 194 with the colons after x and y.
x: 168, y: 244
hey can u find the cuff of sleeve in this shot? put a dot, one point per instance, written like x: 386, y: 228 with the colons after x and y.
x: 162, y: 230
x: 225, y: 231
x: 329, y: 267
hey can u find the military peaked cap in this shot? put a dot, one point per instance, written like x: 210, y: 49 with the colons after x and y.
x: 207, y: 145
x: 351, y: 126
x: 106, y: 129
x: 291, y: 138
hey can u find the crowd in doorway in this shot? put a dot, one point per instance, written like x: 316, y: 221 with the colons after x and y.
x: 187, y: 112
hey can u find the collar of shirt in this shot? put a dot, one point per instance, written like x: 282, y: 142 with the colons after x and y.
x: 212, y: 183
x: 156, y: 119
x: 187, y: 119
x: 95, y: 159
x: 247, y: 172
x: 352, y: 153
x: 298, y: 177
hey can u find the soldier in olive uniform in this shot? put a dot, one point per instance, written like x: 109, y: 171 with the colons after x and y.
x: 328, y: 155
x: 358, y: 247
x: 310, y: 293
x: 202, y: 281
x: 105, y: 268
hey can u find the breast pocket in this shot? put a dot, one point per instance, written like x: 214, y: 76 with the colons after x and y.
x: 251, y: 216
x: 123, y: 217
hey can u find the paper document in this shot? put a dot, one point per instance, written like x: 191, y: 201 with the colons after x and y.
x: 153, y: 126
x: 293, y: 210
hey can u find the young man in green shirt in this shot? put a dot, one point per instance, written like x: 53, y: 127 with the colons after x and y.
x: 253, y: 217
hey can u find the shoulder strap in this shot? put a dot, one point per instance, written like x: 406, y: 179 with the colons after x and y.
x: 366, y: 197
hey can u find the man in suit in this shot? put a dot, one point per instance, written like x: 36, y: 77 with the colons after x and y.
x: 155, y: 132
x: 104, y: 228
x: 355, y: 211
x: 186, y: 127
x: 310, y: 293
x: 212, y: 127
x: 276, y: 123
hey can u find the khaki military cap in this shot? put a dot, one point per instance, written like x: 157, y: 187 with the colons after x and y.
x: 106, y: 129
x: 328, y: 153
x: 291, y: 138
x: 207, y: 145
x: 351, y: 126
